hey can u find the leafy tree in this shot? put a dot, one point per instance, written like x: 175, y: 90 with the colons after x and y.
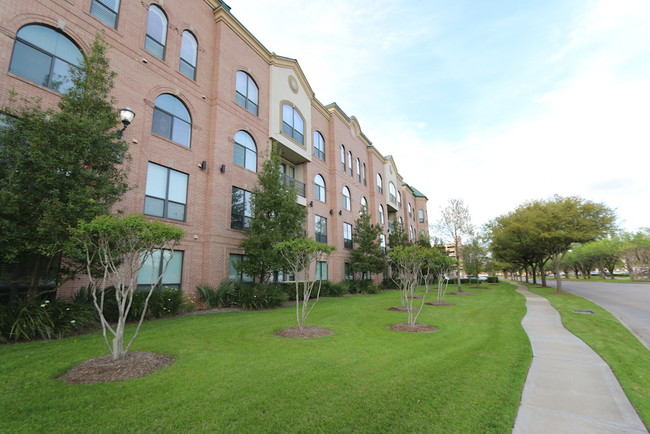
x: 301, y: 254
x: 636, y: 252
x: 398, y: 237
x: 116, y: 248
x: 368, y: 255
x: 277, y: 217
x: 475, y: 256
x: 455, y: 222
x: 59, y: 167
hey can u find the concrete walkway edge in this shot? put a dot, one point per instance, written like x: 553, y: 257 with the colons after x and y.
x: 569, y: 388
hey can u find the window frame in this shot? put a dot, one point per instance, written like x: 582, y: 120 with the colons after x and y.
x: 107, y: 9
x: 159, y: 114
x: 319, y: 145
x: 421, y: 215
x: 381, y: 216
x: 246, y: 151
x: 239, y: 276
x: 380, y: 183
x: 347, y: 235
x: 247, y: 101
x: 346, y: 198
x: 161, y: 271
x: 149, y: 39
x: 392, y: 192
x: 166, y: 200
x: 183, y: 61
x: 290, y: 129
x: 320, y: 190
x: 342, y: 155
x: 320, y: 229
x: 241, y: 221
x: 350, y: 163
x: 320, y: 266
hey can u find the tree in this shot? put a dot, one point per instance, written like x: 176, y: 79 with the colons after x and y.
x: 455, y: 222
x: 119, y: 246
x: 475, y: 256
x: 59, y: 167
x: 301, y: 254
x: 368, y: 255
x: 636, y: 252
x: 398, y: 236
x: 277, y: 217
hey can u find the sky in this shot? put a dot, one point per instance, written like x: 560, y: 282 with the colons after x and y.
x: 496, y: 103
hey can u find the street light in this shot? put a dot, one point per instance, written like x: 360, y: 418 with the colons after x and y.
x: 126, y: 116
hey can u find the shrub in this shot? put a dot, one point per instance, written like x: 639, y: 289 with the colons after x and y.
x: 208, y: 295
x: 331, y: 289
x: 492, y: 279
x: 363, y: 286
x: 260, y: 295
x: 389, y: 284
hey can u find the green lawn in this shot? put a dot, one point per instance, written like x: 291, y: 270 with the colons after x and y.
x: 623, y: 352
x: 233, y: 375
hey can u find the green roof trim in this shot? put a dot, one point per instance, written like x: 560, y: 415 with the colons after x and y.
x: 416, y: 192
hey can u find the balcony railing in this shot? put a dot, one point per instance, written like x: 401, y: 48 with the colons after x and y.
x: 298, y: 185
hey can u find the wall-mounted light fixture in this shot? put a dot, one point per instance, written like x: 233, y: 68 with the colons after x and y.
x: 331, y: 212
x: 126, y: 116
x: 311, y: 203
x: 340, y: 212
x: 203, y: 165
x: 222, y: 169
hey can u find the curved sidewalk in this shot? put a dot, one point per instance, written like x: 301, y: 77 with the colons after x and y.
x: 569, y: 388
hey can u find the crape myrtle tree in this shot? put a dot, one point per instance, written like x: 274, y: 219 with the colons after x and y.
x: 301, y: 254
x: 59, y: 167
x: 367, y: 256
x: 116, y: 248
x: 455, y: 221
x: 277, y: 217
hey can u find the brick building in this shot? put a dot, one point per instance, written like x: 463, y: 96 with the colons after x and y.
x: 210, y: 100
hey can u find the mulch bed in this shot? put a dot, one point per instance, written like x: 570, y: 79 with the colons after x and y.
x: 460, y: 293
x: 399, y: 309
x: 417, y: 328
x: 439, y: 303
x: 135, y: 364
x: 479, y: 287
x: 304, y: 332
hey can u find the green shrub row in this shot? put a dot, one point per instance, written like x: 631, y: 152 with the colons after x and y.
x: 50, y: 319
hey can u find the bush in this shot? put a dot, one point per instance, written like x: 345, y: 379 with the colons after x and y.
x: 363, y: 286
x: 163, y: 302
x: 208, y: 295
x: 492, y: 279
x: 330, y: 289
x: 260, y: 295
x: 389, y: 284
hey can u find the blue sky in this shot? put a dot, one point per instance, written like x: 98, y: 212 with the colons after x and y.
x: 496, y: 103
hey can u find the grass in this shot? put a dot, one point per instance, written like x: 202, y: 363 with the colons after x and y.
x: 232, y: 374
x: 621, y: 350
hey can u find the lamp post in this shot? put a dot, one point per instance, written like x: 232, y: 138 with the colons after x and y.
x: 126, y: 116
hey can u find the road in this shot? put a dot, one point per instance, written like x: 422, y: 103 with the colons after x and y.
x: 629, y: 302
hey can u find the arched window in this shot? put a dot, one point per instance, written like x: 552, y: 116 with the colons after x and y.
x: 172, y: 120
x: 347, y: 200
x: 350, y: 162
x: 189, y: 49
x: 410, y: 211
x: 106, y: 10
x: 245, y: 153
x: 156, y: 32
x: 44, y: 56
x: 246, y: 93
x: 421, y: 215
x: 401, y: 221
x: 411, y: 233
x: 358, y: 170
x: 364, y: 204
x: 380, y: 185
x: 319, y: 145
x: 292, y: 123
x: 399, y: 200
x: 319, y: 188
x: 363, y: 174
x: 343, y: 158
x: 392, y: 192
x: 382, y: 242
x: 381, y: 214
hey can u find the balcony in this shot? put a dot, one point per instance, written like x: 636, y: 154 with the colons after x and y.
x: 298, y: 185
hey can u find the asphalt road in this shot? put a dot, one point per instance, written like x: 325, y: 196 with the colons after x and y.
x: 629, y: 302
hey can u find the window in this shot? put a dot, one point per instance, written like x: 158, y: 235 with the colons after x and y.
x: 166, y: 193
x: 233, y: 273
x: 321, y: 270
x: 241, y: 211
x: 321, y: 229
x: 358, y: 170
x: 421, y: 215
x: 365, y: 181
x: 410, y: 211
x: 347, y: 235
x: 156, y: 32
x: 382, y: 242
x: 381, y: 214
x: 350, y: 162
x: 44, y: 56
x: 106, y: 10
x: 319, y: 188
x: 319, y: 145
x: 189, y: 49
x: 364, y: 204
x: 172, y: 120
x: 154, y: 269
x: 246, y: 94
x: 411, y: 233
x: 346, y: 198
x: 292, y: 123
x: 347, y: 271
x: 245, y: 152
x: 399, y: 200
x: 392, y: 192
x: 380, y: 185
x: 343, y: 158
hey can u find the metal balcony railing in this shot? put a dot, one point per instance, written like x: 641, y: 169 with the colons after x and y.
x: 298, y: 185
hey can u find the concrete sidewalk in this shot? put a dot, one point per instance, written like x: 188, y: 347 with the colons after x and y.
x: 569, y: 388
